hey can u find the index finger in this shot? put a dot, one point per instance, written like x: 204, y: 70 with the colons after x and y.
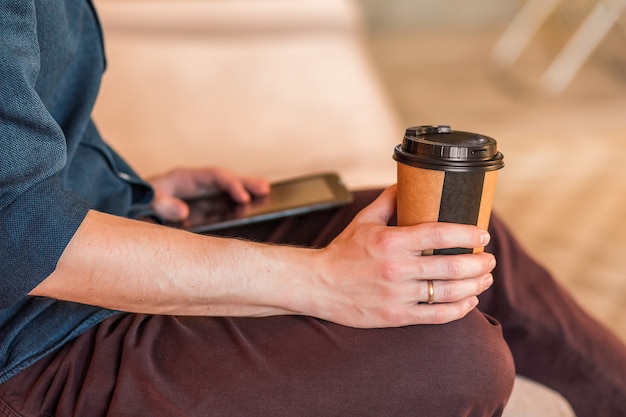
x: 207, y: 181
x: 241, y: 189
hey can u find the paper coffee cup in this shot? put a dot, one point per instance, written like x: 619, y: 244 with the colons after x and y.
x: 446, y: 176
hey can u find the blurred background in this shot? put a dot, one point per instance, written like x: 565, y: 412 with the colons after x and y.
x: 283, y: 87
x: 563, y: 190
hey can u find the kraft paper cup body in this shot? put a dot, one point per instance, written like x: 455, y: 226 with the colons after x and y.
x: 460, y: 190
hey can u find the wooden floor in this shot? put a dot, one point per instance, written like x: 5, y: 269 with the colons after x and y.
x: 563, y: 189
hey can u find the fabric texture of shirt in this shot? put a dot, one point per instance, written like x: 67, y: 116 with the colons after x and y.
x: 54, y: 168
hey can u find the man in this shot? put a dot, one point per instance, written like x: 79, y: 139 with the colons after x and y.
x: 102, y: 312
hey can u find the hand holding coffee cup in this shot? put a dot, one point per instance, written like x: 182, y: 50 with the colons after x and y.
x: 446, y: 176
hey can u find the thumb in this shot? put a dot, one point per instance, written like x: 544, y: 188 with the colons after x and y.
x: 381, y: 209
x: 170, y: 208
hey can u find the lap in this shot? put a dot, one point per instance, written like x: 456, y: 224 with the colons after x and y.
x: 159, y: 365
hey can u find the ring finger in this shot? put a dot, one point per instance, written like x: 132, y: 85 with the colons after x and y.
x: 448, y: 291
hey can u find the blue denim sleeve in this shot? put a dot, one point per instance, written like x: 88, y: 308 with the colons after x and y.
x: 38, y: 216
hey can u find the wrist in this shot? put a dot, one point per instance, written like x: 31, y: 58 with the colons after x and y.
x: 293, y: 279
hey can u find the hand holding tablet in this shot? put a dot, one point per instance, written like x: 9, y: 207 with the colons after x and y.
x: 286, y: 198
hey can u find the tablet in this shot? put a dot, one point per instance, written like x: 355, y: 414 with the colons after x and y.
x: 286, y: 198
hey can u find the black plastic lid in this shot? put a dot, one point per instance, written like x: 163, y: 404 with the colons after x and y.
x: 441, y: 148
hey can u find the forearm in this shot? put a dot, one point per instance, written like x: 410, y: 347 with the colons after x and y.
x: 371, y: 275
x: 139, y: 267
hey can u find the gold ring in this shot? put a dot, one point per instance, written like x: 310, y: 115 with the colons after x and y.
x: 431, y: 292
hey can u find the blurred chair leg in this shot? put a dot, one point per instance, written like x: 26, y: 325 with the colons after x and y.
x: 520, y: 31
x: 580, y: 46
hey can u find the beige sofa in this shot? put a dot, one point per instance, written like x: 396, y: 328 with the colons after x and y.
x: 268, y: 87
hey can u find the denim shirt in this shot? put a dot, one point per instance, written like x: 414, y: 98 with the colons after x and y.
x: 54, y: 167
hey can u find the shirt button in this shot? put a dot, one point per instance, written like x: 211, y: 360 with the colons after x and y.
x: 124, y: 176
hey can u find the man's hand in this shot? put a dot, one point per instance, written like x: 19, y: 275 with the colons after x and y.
x: 171, y: 188
x: 373, y: 275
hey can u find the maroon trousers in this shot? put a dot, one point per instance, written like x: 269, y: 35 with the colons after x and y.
x: 141, y: 365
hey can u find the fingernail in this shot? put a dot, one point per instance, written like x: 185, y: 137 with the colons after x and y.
x: 488, y: 281
x: 485, y: 238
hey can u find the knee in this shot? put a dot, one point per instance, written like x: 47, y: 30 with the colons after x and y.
x: 472, y: 366
x: 485, y: 363
x: 461, y: 368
